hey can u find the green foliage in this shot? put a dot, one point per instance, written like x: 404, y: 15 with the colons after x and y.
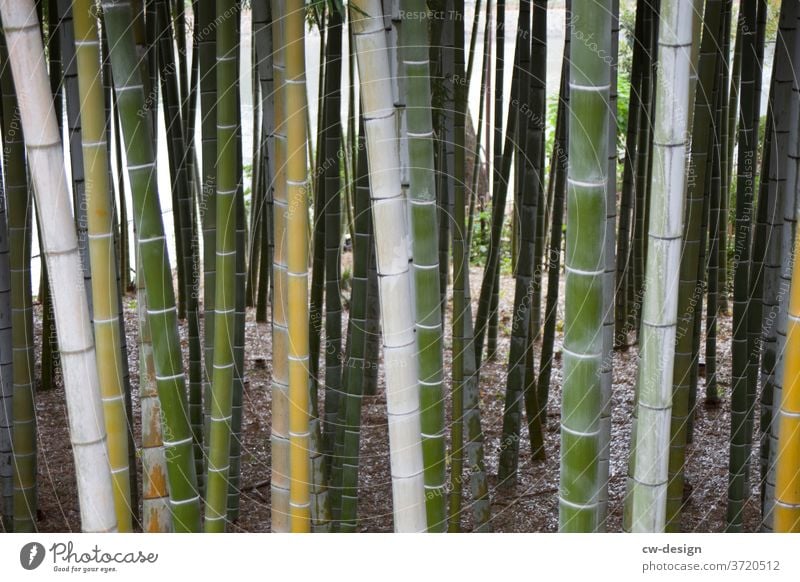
x: 479, y: 250
x: 480, y: 236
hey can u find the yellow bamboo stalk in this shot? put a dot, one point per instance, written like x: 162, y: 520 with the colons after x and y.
x: 280, y: 341
x: 297, y: 266
x: 102, y: 256
x: 787, y: 473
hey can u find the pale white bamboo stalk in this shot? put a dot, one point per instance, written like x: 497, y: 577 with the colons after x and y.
x: 648, y: 486
x: 60, y: 249
x: 390, y: 218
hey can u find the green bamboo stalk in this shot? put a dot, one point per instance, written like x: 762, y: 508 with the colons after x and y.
x: 714, y: 226
x: 279, y: 438
x: 103, y: 267
x: 121, y: 249
x: 755, y: 281
x: 586, y: 193
x: 227, y: 183
x: 161, y: 310
x: 760, y: 248
x: 424, y: 227
x: 237, y: 411
x: 178, y: 155
x: 500, y: 189
x: 487, y: 301
x: 748, y: 135
x: 624, y: 311
x: 498, y: 152
x: 331, y: 144
x: 19, y: 229
x: 207, y: 204
x: 454, y: 56
x: 6, y: 372
x: 345, y: 483
x: 643, y: 159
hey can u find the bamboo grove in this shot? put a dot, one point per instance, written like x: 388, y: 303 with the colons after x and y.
x: 373, y: 229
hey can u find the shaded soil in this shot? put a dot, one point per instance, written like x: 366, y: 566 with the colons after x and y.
x: 529, y: 506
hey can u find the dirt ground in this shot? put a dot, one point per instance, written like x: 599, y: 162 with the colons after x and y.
x: 531, y: 506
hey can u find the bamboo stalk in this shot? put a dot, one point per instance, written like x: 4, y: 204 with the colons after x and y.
x: 586, y: 206
x: 297, y: 266
x: 227, y: 183
x: 99, y: 214
x: 748, y: 136
x: 389, y: 212
x: 6, y: 374
x: 151, y: 244
x: 20, y: 209
x: 43, y: 144
x: 424, y: 226
x: 647, y: 487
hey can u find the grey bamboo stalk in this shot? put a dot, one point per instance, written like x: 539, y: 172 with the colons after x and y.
x: 650, y: 447
x: 43, y: 144
x: 102, y: 255
x: 66, y: 37
x: 391, y: 241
